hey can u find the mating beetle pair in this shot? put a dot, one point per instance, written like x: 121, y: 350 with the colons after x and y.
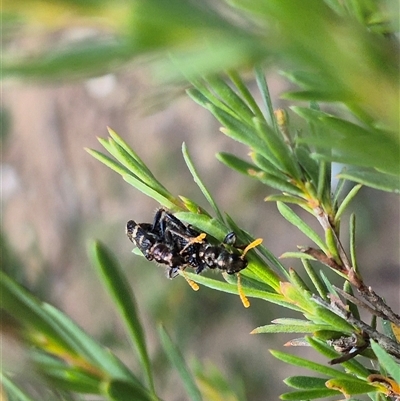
x: 170, y: 242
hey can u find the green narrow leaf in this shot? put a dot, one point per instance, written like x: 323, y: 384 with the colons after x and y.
x: 143, y: 174
x: 84, y: 345
x: 244, y: 91
x: 118, y: 168
x: 12, y: 390
x: 350, y: 143
x: 296, y: 255
x: 118, y: 140
x: 352, y: 228
x: 272, y: 176
x: 289, y: 199
x: 168, y: 203
x: 266, y: 165
x: 324, y: 180
x: 277, y: 299
x: 305, y: 382
x: 117, y: 285
x: 292, y: 321
x: 259, y: 270
x: 310, y: 190
x: 281, y: 152
x: 250, y: 279
x: 386, y: 361
x: 289, y: 328
x: 266, y: 97
x: 297, y: 281
x: 239, y: 131
x: 299, y: 297
x: 205, y: 97
x: 308, y: 394
x: 384, y: 145
x: 279, y: 184
x: 29, y: 312
x: 307, y: 80
x: 198, y: 97
x: 87, y: 59
x: 192, y: 206
x: 316, y: 95
x: 338, y: 190
x: 205, y: 224
x: 292, y: 218
x: 346, y: 201
x: 330, y: 240
x: 238, y: 164
x: 63, y: 336
x: 199, y: 183
x: 327, y: 335
x: 230, y: 98
x: 312, y: 168
x: 328, y: 284
x: 258, y: 173
x: 372, y: 178
x: 128, y: 161
x: 350, y: 386
x: 336, y: 322
x: 282, y: 120
x: 119, y: 390
x: 350, y: 152
x: 264, y: 272
x: 273, y: 260
x: 66, y: 376
x: 214, y: 382
x: 176, y: 359
x: 318, y: 283
x: 306, y: 364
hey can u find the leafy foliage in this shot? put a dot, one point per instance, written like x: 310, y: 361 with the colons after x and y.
x: 291, y: 151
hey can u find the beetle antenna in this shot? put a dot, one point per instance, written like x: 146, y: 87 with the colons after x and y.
x: 252, y: 245
x: 195, y: 286
x: 243, y: 298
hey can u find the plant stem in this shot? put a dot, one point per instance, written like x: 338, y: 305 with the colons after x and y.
x: 385, y: 342
x: 379, y: 305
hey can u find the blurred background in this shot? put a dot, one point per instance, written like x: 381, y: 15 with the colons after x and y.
x: 55, y: 198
